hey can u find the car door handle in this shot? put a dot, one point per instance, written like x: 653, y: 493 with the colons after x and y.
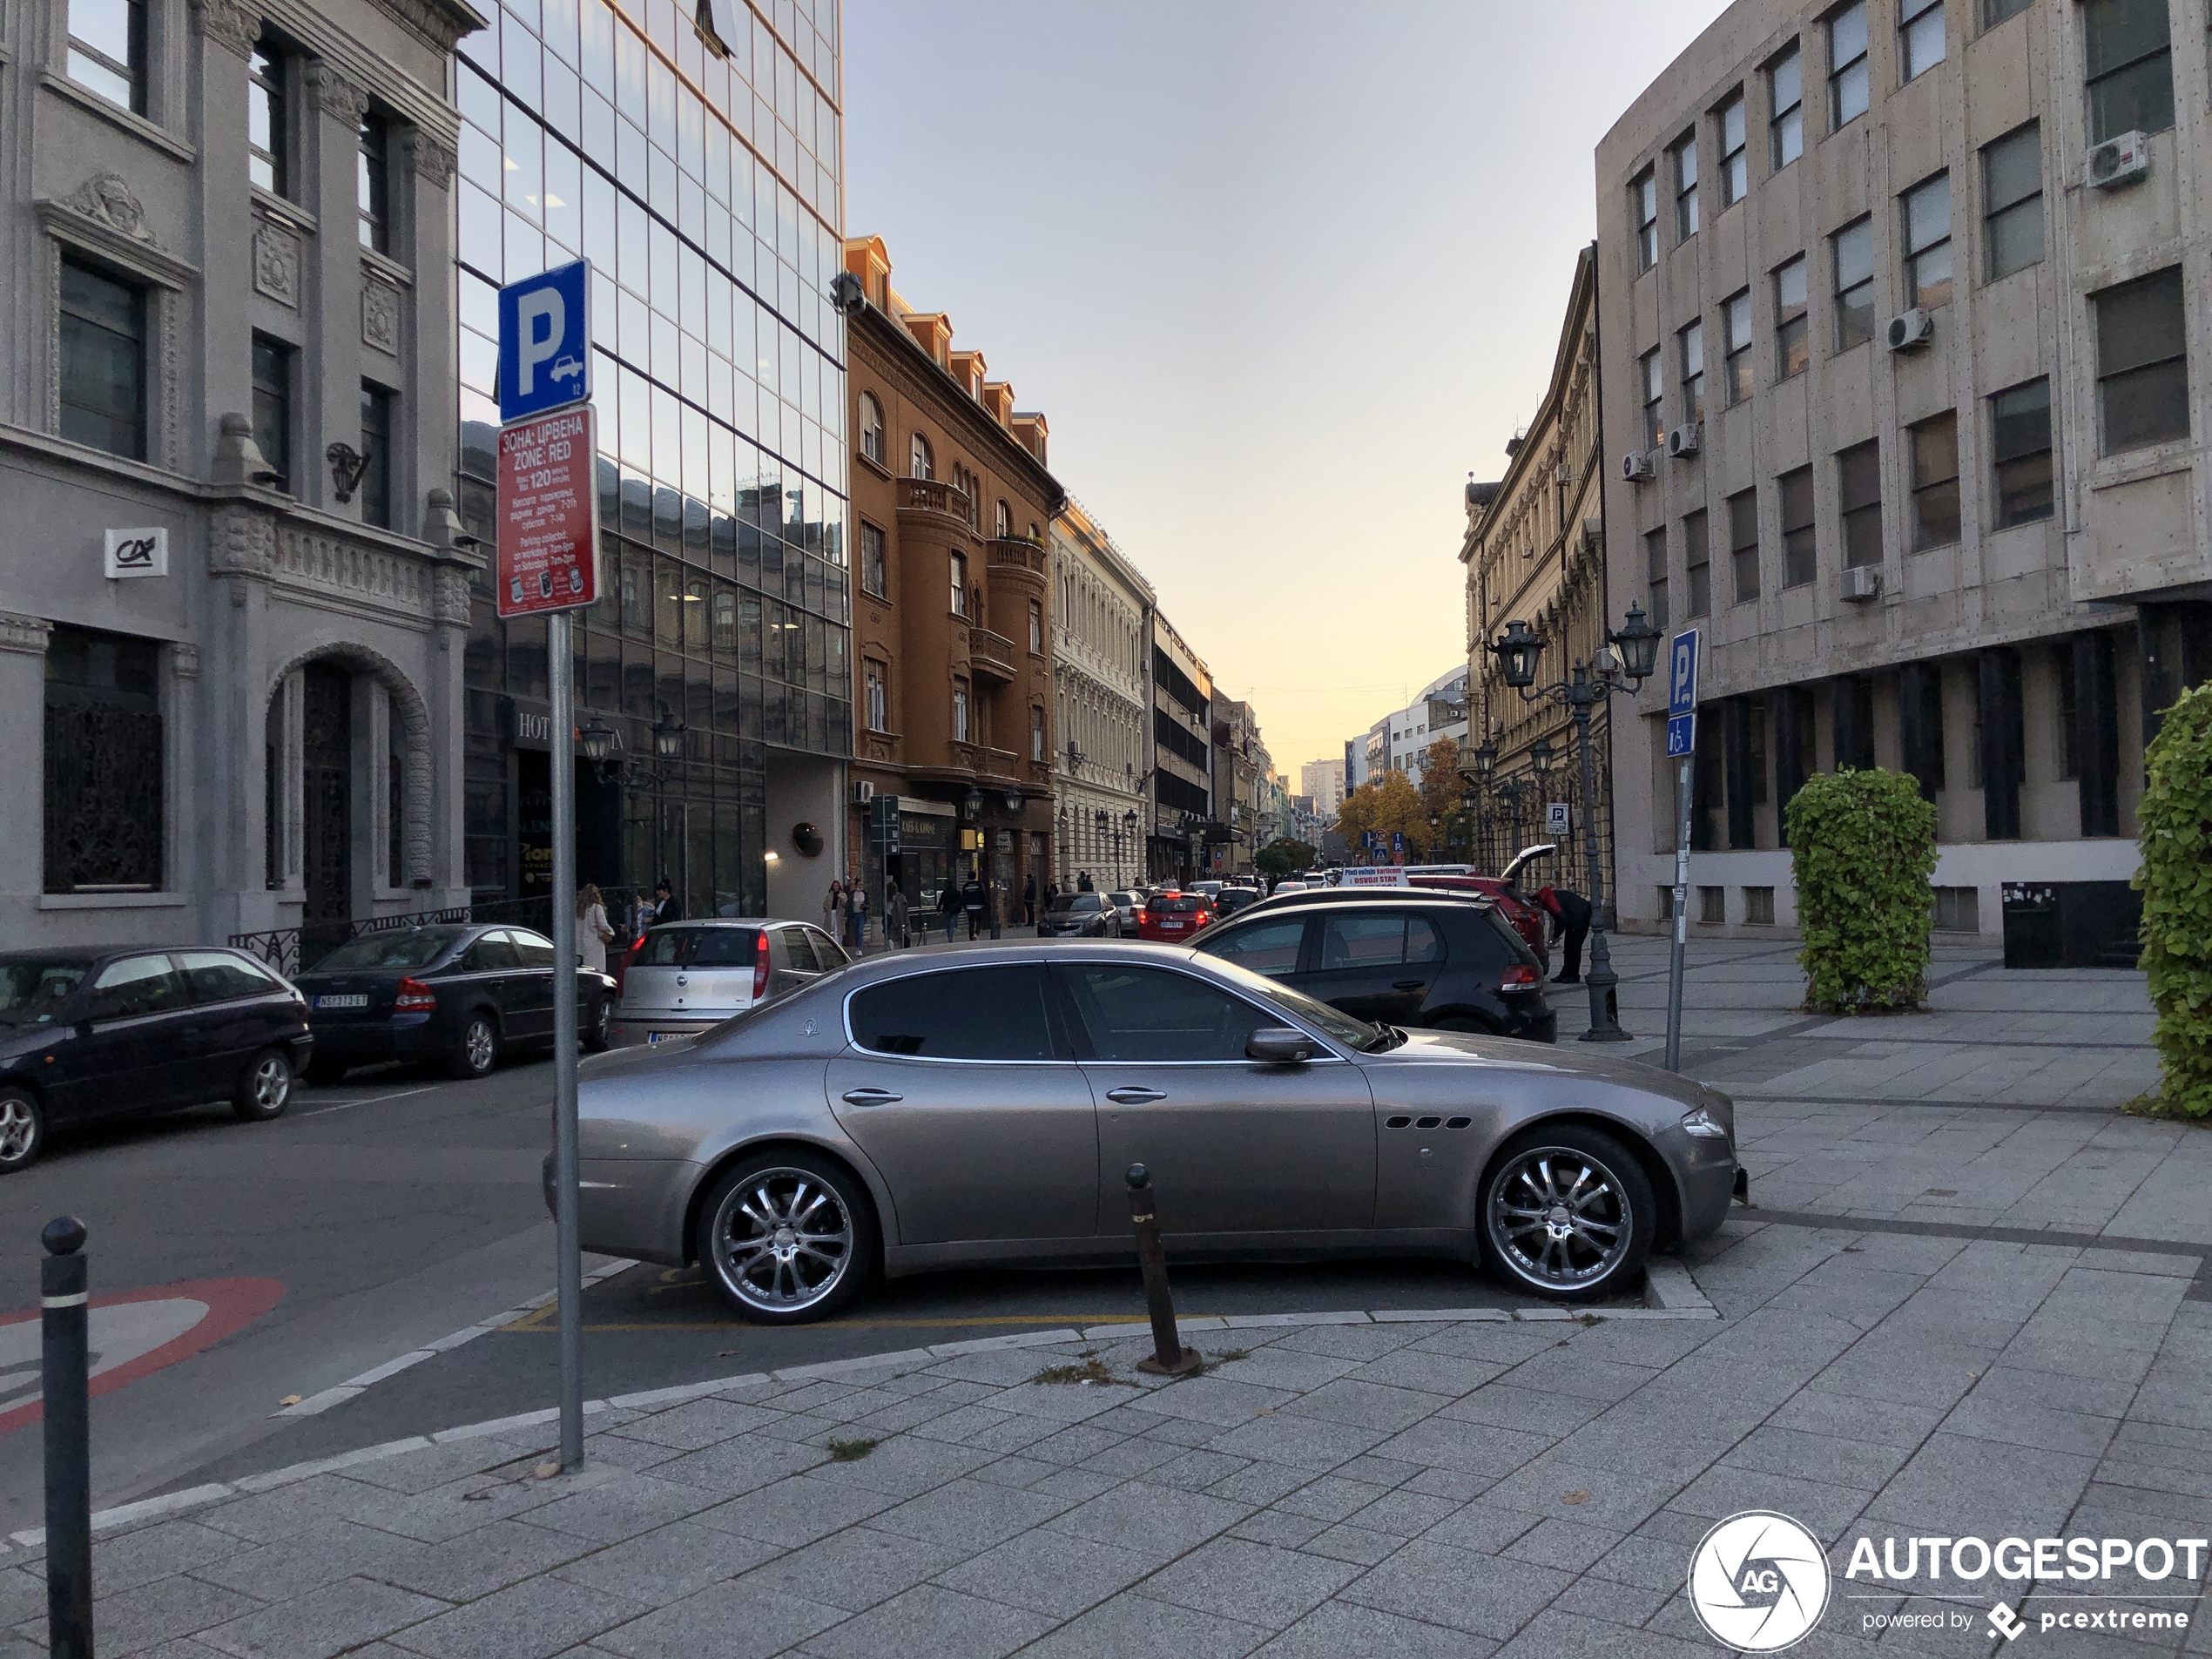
x: 870, y: 1098
x: 1407, y: 984
x: 1133, y: 1095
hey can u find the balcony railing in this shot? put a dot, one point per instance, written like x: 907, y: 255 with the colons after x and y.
x: 990, y: 653
x: 1018, y: 551
x: 934, y: 496
x: 1000, y: 763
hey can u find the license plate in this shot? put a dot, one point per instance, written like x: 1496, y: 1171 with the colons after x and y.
x: 652, y: 1037
x: 360, y: 1001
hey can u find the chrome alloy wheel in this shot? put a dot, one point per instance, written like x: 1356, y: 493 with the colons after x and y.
x: 478, y: 1046
x: 1561, y: 1216
x: 783, y: 1240
x: 269, y: 1083
x: 18, y: 1130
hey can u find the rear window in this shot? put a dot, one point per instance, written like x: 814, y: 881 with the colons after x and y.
x: 1179, y: 904
x: 417, y: 947
x: 665, y: 946
x: 724, y: 947
x: 33, y: 993
x: 963, y: 1014
x: 1073, y: 901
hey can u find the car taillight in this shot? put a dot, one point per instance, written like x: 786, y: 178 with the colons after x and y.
x: 414, y: 997
x: 759, y: 965
x: 1520, y: 977
x: 628, y: 957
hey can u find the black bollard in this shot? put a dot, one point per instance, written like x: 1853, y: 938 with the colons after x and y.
x: 1169, y: 1358
x: 69, y: 1463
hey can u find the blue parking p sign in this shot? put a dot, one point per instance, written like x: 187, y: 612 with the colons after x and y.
x: 1681, y: 694
x: 545, y: 341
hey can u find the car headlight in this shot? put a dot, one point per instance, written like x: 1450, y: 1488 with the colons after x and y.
x: 1702, y: 1124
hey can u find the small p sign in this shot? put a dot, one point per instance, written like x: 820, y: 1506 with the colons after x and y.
x: 545, y: 341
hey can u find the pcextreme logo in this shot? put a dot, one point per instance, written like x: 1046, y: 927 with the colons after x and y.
x: 1758, y: 1582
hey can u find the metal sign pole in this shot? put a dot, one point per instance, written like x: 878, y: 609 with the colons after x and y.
x: 1682, y: 805
x: 570, y: 1276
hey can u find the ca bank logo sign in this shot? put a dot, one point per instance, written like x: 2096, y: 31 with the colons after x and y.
x: 1758, y: 1582
x: 545, y: 341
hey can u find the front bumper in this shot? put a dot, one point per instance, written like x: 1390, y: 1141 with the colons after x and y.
x: 1711, y: 1179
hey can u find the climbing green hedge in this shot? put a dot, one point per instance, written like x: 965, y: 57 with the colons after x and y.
x: 1862, y: 847
x: 2175, y: 834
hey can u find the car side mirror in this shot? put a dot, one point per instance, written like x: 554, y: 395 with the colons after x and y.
x: 1279, y: 1045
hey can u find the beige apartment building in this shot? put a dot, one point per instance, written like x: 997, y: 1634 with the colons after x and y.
x: 1906, y: 329
x: 1102, y: 632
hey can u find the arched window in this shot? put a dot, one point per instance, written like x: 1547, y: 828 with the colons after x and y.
x: 1005, y: 527
x: 872, y: 428
x: 918, y: 461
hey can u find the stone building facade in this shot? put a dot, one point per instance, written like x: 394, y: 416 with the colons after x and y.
x: 1181, y: 834
x: 953, y: 669
x: 1102, y: 627
x: 1904, y: 329
x: 234, y: 607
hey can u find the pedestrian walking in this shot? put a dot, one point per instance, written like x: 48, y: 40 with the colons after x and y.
x: 593, y: 931
x: 834, y: 911
x: 948, y: 906
x: 971, y: 901
x: 857, y: 906
x: 665, y: 908
x: 895, y: 920
x: 1030, y: 899
x: 1570, y: 914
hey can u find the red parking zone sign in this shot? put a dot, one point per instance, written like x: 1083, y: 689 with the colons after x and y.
x: 549, y: 523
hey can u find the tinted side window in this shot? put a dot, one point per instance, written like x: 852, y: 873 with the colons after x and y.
x: 1493, y: 943
x: 534, y: 950
x: 136, y: 985
x: 1156, y: 1014
x: 1364, y: 941
x: 216, y: 977
x: 828, y: 953
x: 490, y: 954
x: 798, y: 945
x: 1424, y: 943
x: 725, y: 947
x: 964, y: 1013
x: 1265, y: 947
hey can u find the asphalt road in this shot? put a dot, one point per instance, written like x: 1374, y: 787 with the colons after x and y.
x: 382, y: 1215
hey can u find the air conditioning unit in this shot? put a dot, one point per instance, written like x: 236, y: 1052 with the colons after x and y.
x: 1863, y: 583
x: 2119, y: 161
x: 1682, y: 443
x: 1910, y: 328
x: 863, y: 792
x: 1636, y: 467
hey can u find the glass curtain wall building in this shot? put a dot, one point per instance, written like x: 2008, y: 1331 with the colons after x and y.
x: 702, y: 177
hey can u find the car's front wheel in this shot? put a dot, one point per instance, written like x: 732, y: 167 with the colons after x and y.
x: 598, y: 1025
x: 263, y: 1088
x: 1568, y: 1213
x: 478, y: 1050
x: 788, y: 1237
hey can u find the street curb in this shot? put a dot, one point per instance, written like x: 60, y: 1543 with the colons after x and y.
x: 1691, y: 1303
x: 1668, y: 1288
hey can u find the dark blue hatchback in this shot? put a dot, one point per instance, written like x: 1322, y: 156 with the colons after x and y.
x: 100, y: 1033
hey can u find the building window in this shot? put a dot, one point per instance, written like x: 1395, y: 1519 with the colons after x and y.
x: 1655, y: 574
x: 1792, y: 325
x: 1037, y: 733
x: 1685, y: 168
x: 874, y: 576
x: 1758, y: 907
x: 879, y: 701
x: 1654, y: 400
x: 268, y: 119
x: 1743, y: 543
x: 1692, y: 373
x: 1800, y: 562
x: 2020, y: 419
x: 1712, y: 907
x: 103, y: 345
x: 2130, y: 67
x: 959, y: 712
x: 919, y: 463
x: 1858, y: 500
x: 1919, y: 34
x: 1003, y: 525
x: 1853, y: 247
x: 1643, y: 196
x: 1958, y: 910
x: 1786, y: 97
x: 1935, y: 482
x: 2142, y: 373
x: 872, y: 428
x: 1736, y: 326
x: 376, y: 453
x: 373, y: 182
x: 1698, y: 564
x: 103, y: 786
x: 1036, y: 627
x: 1847, y: 65
x: 1927, y: 243
x: 1736, y: 173
x: 957, y: 567
x: 273, y: 405
x: 964, y: 486
x: 1995, y: 11
x: 2011, y: 195
x: 107, y: 50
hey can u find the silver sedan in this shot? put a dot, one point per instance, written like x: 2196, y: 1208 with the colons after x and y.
x: 915, y: 1112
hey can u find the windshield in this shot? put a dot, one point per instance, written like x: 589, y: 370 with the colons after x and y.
x: 1331, y: 1023
x: 417, y: 947
x: 32, y: 992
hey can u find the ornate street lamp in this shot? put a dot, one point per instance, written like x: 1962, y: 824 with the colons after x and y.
x: 595, y: 739
x: 668, y: 735
x: 1517, y: 651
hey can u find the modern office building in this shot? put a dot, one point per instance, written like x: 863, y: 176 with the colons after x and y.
x: 1904, y: 310
x: 1102, y: 662
x: 1181, y: 834
x: 955, y: 645
x: 233, y: 608
x: 1322, y: 783
x: 1535, y: 553
x: 696, y: 160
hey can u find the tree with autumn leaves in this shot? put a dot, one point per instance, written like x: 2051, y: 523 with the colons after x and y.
x: 1391, y: 804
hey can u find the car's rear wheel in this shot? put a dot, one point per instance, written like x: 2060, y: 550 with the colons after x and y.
x: 788, y: 1237
x: 23, y: 1129
x: 263, y: 1088
x: 1568, y: 1213
x: 599, y: 1024
x: 478, y: 1050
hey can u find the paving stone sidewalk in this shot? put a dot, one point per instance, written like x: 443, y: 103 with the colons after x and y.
x: 1529, y: 1488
